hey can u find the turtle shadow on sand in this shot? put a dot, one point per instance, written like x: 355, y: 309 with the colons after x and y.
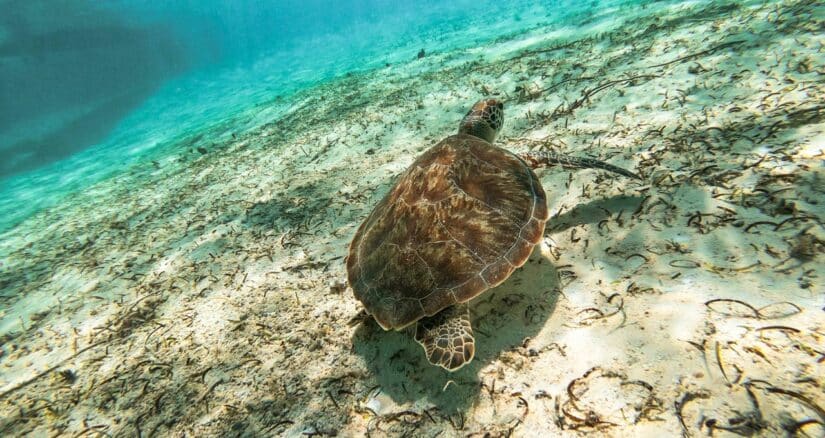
x: 503, y: 318
x: 591, y: 212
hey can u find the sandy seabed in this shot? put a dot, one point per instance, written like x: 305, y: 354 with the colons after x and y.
x: 202, y: 294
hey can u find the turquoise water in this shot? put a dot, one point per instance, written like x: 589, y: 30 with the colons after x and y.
x: 234, y: 64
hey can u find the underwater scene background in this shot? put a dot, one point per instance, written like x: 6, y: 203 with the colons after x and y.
x: 180, y: 182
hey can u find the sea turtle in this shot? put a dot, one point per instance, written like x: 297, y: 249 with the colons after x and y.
x: 457, y: 222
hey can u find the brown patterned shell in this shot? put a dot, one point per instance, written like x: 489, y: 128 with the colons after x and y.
x: 459, y: 221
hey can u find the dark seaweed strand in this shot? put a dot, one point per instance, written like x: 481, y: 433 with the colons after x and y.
x: 544, y: 158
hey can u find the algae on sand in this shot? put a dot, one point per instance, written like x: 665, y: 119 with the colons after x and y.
x: 195, y: 298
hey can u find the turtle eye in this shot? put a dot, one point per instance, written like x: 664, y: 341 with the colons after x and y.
x: 494, y: 118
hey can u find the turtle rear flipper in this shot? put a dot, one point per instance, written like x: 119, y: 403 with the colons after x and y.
x: 447, y: 337
x: 544, y: 158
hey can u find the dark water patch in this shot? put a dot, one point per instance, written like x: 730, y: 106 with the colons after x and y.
x: 73, y: 136
x: 88, y: 68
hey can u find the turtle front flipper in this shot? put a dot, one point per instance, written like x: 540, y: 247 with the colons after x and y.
x: 447, y: 337
x: 544, y: 158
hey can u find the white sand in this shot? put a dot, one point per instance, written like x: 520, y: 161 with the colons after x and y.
x: 195, y: 298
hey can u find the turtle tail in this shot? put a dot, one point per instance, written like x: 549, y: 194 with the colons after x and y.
x: 545, y: 158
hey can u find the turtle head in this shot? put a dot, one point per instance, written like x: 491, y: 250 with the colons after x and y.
x: 484, y: 120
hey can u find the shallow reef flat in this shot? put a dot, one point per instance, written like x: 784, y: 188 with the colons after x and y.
x: 203, y: 294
